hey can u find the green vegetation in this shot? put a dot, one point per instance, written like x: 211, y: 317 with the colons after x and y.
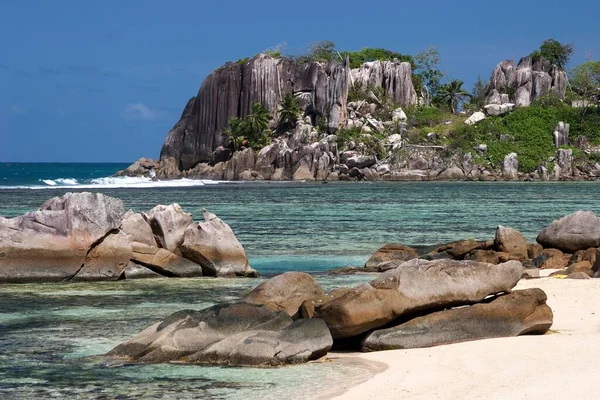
x: 554, y: 51
x: 427, y: 71
x: 358, y: 58
x: 585, y: 81
x: 289, y: 112
x: 250, y: 131
x: 451, y: 94
x: 526, y: 131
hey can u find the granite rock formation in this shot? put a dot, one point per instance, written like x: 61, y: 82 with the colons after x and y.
x: 239, y: 334
x: 518, y: 313
x: 528, y: 81
x: 89, y: 237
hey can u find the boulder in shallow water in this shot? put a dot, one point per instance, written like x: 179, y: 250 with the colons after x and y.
x: 213, y: 245
x: 163, y: 262
x: 169, y: 224
x: 239, y: 334
x: 285, y: 292
x: 518, y: 313
x: 107, y: 260
x: 51, y: 244
x: 428, y: 286
x: 577, y: 231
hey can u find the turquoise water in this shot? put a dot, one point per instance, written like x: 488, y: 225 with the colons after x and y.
x: 48, y: 332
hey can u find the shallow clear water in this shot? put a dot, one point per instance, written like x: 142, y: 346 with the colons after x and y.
x: 45, y: 330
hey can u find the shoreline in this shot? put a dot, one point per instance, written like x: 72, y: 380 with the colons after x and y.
x: 560, y: 364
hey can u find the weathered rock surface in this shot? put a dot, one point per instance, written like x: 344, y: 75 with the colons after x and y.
x: 88, y: 237
x: 231, y: 90
x: 529, y: 81
x: 394, y: 77
x: 429, y: 286
x: 213, y: 245
x: 52, y: 244
x: 169, y: 224
x: 285, y: 292
x: 512, y: 242
x: 510, y: 167
x: 577, y: 231
x: 391, y: 252
x: 518, y: 313
x: 164, y: 262
x: 239, y: 334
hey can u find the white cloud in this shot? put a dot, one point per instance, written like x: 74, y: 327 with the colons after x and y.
x: 140, y: 111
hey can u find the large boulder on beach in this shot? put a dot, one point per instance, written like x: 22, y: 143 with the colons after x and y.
x: 577, y: 231
x: 286, y: 292
x: 428, y: 286
x: 213, y: 245
x: 518, y: 313
x: 391, y: 252
x: 239, y: 334
x: 51, y: 244
x: 169, y: 224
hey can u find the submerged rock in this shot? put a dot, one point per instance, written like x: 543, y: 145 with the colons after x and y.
x: 518, y: 313
x: 238, y: 334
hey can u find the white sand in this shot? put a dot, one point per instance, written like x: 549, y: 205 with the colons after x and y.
x: 563, y: 364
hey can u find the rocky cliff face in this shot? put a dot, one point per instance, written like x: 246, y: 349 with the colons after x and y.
x: 394, y: 77
x: 529, y: 81
x: 230, y: 91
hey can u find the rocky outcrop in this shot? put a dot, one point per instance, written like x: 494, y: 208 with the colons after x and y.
x: 577, y: 231
x: 53, y: 243
x: 239, y: 334
x: 394, y: 77
x: 88, y: 237
x: 529, y: 81
x: 561, y: 134
x: 510, y: 167
x: 286, y: 292
x: 512, y: 242
x: 518, y: 313
x: 391, y: 252
x: 231, y: 90
x: 213, y: 245
x: 419, y: 287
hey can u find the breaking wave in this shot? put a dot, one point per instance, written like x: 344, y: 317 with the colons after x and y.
x: 122, y: 182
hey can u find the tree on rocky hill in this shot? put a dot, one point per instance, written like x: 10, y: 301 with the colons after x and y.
x: 585, y: 82
x: 452, y: 94
x: 555, y: 52
x: 289, y: 111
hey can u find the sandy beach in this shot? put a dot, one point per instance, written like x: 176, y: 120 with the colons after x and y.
x: 563, y: 364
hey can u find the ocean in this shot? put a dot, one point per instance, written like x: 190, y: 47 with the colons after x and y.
x: 50, y: 334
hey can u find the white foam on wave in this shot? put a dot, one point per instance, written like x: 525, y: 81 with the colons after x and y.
x: 111, y: 182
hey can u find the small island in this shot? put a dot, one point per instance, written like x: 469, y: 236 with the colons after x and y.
x: 376, y: 114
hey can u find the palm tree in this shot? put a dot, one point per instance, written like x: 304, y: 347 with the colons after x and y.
x: 258, y: 119
x: 452, y: 93
x: 289, y: 111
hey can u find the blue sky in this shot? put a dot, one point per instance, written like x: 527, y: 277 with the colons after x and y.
x: 105, y: 80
